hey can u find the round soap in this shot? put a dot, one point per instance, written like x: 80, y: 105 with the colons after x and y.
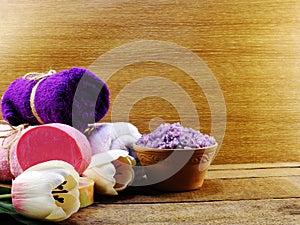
x: 50, y: 142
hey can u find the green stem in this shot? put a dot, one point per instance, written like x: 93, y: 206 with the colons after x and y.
x: 5, y: 196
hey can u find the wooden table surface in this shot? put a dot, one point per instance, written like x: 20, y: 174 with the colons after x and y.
x: 265, y: 193
x: 231, y: 194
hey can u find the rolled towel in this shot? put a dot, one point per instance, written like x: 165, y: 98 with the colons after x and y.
x: 6, y: 136
x: 75, y: 97
x: 108, y: 136
x: 5, y: 174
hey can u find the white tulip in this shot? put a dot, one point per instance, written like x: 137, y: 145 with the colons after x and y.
x: 112, y: 171
x: 47, y: 191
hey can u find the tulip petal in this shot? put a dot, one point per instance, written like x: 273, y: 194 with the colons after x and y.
x: 106, y: 171
x: 33, y: 188
x: 125, y: 174
x: 69, y: 182
x: 36, y: 182
x: 31, y: 207
x: 106, y: 157
x: 70, y: 204
x: 104, y: 178
x: 54, y: 164
x: 58, y: 214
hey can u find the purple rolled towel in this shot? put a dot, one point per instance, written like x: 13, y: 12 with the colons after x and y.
x: 75, y: 97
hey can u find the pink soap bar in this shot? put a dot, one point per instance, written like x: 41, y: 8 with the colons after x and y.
x: 50, y: 142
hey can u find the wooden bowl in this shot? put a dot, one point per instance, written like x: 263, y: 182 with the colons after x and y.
x: 175, y: 169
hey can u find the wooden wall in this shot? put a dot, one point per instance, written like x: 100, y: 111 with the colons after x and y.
x: 251, y: 47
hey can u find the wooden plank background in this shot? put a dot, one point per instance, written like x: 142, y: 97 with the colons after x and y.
x: 252, y: 48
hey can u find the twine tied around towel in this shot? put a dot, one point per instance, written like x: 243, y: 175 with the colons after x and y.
x: 39, y: 77
x: 16, y: 131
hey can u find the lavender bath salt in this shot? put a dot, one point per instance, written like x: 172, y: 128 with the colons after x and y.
x: 175, y: 136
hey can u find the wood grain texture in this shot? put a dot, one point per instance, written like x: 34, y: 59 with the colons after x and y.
x: 252, y: 48
x: 278, y: 172
x: 248, y: 166
x: 221, y: 185
x: 276, y: 212
x: 232, y: 189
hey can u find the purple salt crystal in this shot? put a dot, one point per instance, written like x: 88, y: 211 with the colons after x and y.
x: 175, y: 136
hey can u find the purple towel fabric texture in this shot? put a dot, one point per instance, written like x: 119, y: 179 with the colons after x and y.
x: 75, y: 97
